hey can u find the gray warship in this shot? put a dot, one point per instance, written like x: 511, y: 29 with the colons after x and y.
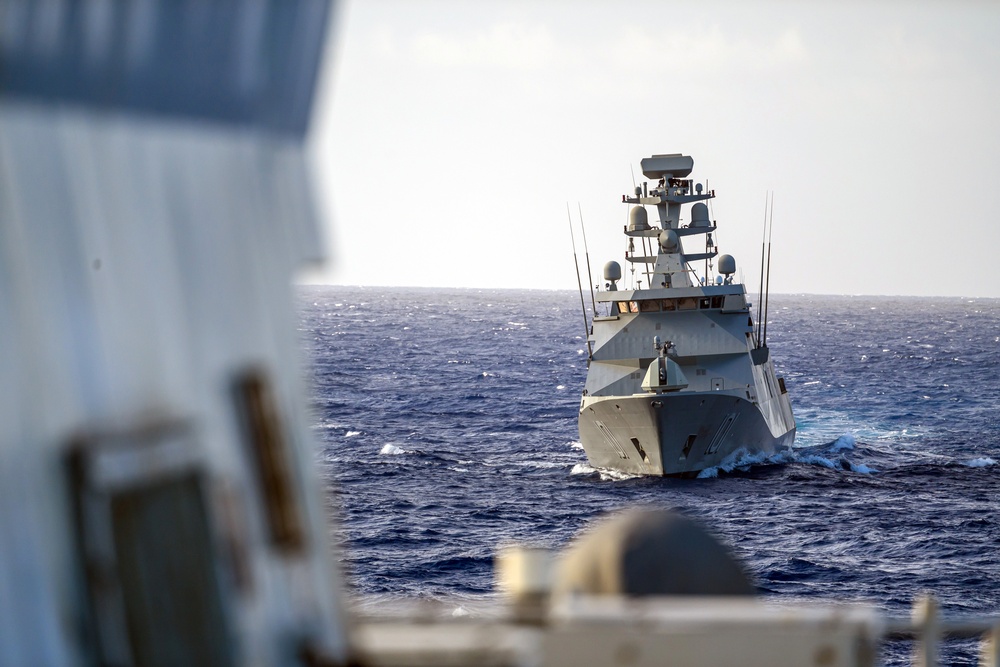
x: 680, y: 376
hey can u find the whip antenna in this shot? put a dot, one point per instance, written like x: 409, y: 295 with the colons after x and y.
x: 583, y: 306
x: 760, y: 292
x: 586, y: 251
x: 767, y: 285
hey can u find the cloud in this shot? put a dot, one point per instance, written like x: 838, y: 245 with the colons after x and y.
x: 708, y: 49
x: 508, y: 45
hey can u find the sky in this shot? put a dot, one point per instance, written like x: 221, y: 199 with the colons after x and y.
x: 449, y: 138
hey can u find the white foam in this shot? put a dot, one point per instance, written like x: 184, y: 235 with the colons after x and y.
x: 326, y: 426
x: 392, y: 450
x: 839, y: 464
x: 576, y: 444
x: 541, y: 464
x: 351, y: 434
x: 981, y: 462
x: 844, y: 442
x: 742, y: 459
x: 606, y: 475
x: 813, y: 459
x: 615, y: 475
x: 780, y: 458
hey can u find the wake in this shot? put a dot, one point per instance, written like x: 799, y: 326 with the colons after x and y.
x: 832, y: 455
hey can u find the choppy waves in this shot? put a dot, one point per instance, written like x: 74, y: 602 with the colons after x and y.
x: 447, y: 423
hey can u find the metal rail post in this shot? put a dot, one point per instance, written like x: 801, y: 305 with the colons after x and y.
x: 927, y: 624
x: 989, y: 652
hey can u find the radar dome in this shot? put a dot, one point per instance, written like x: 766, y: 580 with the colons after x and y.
x: 669, y: 241
x: 612, y: 271
x: 638, y: 221
x: 727, y: 265
x: 699, y: 216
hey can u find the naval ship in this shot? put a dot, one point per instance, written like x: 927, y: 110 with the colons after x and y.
x: 159, y: 498
x: 680, y: 376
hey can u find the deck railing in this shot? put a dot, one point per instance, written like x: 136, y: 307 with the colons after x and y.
x: 928, y: 627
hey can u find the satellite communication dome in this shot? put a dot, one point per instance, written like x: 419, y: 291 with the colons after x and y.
x: 669, y: 241
x: 699, y: 216
x: 727, y: 265
x: 638, y: 221
x: 612, y: 271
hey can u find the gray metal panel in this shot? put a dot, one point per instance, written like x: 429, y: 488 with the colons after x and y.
x: 669, y: 292
x: 692, y: 333
x: 664, y: 430
x: 676, y: 166
x: 240, y: 63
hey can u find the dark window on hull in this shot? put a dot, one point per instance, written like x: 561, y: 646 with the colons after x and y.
x: 688, y: 444
x: 638, y: 448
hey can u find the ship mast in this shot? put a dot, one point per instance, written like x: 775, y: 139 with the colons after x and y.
x: 670, y: 266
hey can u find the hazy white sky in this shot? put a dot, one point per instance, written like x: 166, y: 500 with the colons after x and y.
x: 449, y: 137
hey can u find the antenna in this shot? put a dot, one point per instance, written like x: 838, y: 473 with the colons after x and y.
x: 632, y: 171
x: 760, y: 292
x: 583, y: 306
x: 647, y: 251
x: 767, y: 285
x: 590, y: 277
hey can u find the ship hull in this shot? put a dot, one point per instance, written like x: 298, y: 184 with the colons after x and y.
x: 675, y: 433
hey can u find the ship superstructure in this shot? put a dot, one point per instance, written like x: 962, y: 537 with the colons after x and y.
x: 680, y: 376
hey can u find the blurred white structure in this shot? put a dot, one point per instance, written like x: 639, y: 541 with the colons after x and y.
x: 158, y: 503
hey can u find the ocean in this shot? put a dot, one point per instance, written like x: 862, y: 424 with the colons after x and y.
x: 446, y: 427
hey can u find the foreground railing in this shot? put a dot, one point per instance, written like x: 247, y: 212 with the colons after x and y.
x: 694, y: 632
x: 928, y: 627
x: 534, y: 628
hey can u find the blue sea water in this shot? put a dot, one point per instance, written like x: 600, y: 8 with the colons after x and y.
x: 446, y: 421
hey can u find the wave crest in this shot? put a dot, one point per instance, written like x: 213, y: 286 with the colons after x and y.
x: 606, y: 474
